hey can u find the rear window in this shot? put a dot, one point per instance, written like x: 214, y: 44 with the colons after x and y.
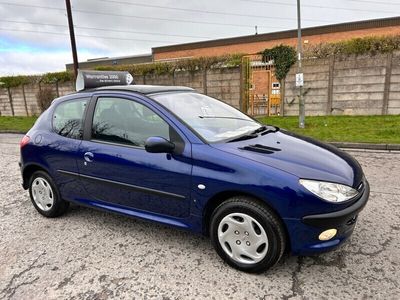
x: 68, y: 118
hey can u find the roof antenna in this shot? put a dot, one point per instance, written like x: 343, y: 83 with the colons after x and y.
x: 256, y: 29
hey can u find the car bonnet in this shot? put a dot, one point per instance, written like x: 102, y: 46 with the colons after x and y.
x: 301, y: 156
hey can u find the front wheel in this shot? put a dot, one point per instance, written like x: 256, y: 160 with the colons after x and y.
x: 247, y: 235
x: 45, y: 196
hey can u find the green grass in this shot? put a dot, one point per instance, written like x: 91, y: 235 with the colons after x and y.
x: 364, y: 129
x: 18, y: 124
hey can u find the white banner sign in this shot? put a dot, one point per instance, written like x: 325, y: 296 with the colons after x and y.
x: 299, y: 79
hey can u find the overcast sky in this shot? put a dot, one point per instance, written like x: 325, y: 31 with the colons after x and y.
x: 34, y: 34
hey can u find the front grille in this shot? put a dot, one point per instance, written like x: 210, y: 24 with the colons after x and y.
x: 352, y: 220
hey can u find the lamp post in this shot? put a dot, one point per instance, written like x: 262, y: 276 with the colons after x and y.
x: 299, y: 75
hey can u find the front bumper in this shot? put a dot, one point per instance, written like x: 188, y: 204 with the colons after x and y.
x: 338, y: 218
x: 305, y: 232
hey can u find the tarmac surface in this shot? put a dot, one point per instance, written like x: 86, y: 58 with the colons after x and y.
x: 87, y: 254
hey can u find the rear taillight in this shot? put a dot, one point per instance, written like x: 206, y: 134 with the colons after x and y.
x: 25, y: 140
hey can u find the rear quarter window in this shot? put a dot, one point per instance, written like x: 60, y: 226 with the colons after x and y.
x: 68, y: 118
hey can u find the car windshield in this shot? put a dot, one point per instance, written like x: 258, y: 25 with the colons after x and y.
x: 212, y: 119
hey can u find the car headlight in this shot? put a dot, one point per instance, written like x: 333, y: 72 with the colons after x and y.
x: 329, y: 191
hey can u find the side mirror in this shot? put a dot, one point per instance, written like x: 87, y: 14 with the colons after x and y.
x: 157, y: 144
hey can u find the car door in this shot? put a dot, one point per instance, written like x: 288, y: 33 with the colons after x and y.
x: 60, y: 146
x: 116, y: 169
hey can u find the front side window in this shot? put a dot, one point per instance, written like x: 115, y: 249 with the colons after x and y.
x: 127, y: 122
x: 212, y: 119
x: 68, y: 118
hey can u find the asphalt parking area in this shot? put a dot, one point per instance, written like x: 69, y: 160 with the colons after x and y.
x: 88, y: 254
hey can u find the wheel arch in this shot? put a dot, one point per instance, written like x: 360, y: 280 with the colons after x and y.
x: 28, y: 171
x: 220, y: 197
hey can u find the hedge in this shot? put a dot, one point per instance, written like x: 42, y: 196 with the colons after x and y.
x: 357, y: 46
x: 191, y: 65
x: 14, y: 81
x: 283, y: 56
x: 157, y: 68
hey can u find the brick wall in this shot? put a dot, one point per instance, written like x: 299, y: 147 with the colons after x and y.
x: 255, y: 47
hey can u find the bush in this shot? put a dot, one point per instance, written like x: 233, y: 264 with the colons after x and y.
x: 63, y: 76
x: 14, y: 81
x: 45, y: 96
x: 357, y: 46
x: 284, y: 57
x: 189, y: 64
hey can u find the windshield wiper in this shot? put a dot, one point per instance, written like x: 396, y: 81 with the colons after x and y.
x: 265, y: 129
x: 222, y: 117
x: 246, y: 136
x: 260, y: 129
x: 253, y: 134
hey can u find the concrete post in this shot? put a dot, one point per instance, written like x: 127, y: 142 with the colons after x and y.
x: 205, y: 81
x: 330, y: 85
x: 10, y: 99
x: 173, y: 78
x: 282, y: 112
x: 241, y: 87
x: 57, y: 89
x: 24, y: 97
x: 386, y: 91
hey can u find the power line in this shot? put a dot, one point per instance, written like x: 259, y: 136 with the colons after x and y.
x: 169, y: 20
x: 374, y: 2
x: 81, y: 35
x: 164, y: 19
x: 200, y: 10
x: 105, y: 29
x: 91, y: 28
x: 319, y: 6
x: 144, y: 32
x: 33, y: 23
x: 33, y: 6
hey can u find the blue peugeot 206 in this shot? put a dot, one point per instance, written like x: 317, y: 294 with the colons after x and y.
x: 174, y: 156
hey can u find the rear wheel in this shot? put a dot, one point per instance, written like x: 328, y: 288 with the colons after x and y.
x: 247, y: 235
x: 45, y: 196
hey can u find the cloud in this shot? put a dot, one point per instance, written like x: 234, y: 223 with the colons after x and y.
x: 24, y: 51
x: 27, y: 63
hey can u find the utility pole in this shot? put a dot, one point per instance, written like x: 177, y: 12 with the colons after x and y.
x: 72, y: 37
x: 299, y: 75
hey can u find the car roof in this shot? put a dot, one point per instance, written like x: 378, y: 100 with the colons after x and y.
x: 143, y: 89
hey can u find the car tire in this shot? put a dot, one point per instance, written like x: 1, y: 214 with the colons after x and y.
x: 247, y: 234
x: 45, y: 196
